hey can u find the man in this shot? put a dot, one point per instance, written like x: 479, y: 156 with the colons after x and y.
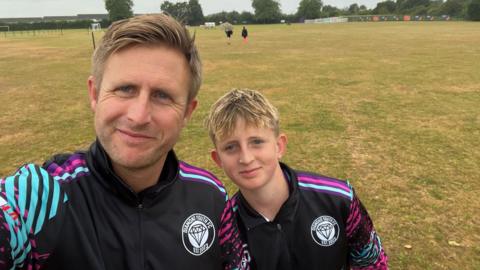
x: 127, y: 202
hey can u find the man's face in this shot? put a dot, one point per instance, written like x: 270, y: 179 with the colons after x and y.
x: 141, y: 105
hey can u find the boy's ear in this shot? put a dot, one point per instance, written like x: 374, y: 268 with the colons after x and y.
x: 281, y: 145
x: 216, y: 158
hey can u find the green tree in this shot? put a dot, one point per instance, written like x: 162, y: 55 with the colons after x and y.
x: 363, y: 10
x: 330, y: 11
x: 195, y: 13
x: 454, y: 8
x: 386, y: 7
x: 266, y: 11
x: 179, y: 10
x: 119, y: 9
x: 354, y: 9
x: 473, y: 10
x: 246, y: 17
x: 435, y: 8
x: 309, y: 9
x: 412, y: 6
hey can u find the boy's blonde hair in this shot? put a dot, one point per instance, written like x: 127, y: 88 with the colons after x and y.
x: 246, y: 104
x: 149, y: 30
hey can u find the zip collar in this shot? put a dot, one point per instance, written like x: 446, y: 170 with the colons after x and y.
x: 251, y: 218
x: 100, y: 166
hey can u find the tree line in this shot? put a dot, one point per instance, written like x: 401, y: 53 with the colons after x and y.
x: 268, y: 11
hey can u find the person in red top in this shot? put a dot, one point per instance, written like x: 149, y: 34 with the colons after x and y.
x: 245, y: 34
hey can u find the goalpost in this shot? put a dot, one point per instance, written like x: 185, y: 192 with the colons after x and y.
x: 96, y: 27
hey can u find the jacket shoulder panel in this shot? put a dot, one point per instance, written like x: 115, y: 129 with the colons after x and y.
x: 195, y: 174
x: 323, y: 184
x: 67, y: 168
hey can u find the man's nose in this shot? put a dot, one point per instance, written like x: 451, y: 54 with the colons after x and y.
x: 139, y: 111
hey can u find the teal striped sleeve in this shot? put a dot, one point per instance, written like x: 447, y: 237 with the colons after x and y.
x: 27, y: 201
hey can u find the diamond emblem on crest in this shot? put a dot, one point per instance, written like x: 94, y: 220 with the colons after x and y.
x: 197, y: 232
x: 325, y: 230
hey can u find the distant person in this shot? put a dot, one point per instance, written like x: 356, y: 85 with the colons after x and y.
x: 245, y: 34
x: 291, y: 219
x: 127, y: 202
x: 228, y: 31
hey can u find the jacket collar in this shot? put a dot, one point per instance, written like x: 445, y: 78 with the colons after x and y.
x: 101, y: 167
x: 251, y: 218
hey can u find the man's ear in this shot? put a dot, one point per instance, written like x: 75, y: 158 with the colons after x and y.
x: 281, y: 145
x: 191, y: 106
x: 216, y: 158
x: 92, y: 93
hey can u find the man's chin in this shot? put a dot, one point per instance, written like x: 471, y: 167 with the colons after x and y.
x: 132, y: 161
x: 133, y: 165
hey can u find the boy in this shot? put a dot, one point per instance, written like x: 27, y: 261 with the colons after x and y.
x: 290, y: 219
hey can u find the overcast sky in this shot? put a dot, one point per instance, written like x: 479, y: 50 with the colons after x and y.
x: 40, y: 8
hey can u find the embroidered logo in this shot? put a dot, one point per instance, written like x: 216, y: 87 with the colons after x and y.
x: 325, y: 231
x: 198, y: 234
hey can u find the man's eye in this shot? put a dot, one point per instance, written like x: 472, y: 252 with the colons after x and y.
x: 125, y: 91
x: 160, y: 95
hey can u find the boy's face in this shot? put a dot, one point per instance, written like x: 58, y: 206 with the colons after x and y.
x: 249, y: 156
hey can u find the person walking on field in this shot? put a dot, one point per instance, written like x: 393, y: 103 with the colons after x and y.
x: 228, y: 28
x: 245, y: 34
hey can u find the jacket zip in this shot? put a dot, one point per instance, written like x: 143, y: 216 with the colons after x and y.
x: 141, y: 251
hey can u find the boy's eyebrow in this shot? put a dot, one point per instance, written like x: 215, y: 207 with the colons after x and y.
x: 229, y: 141
x: 236, y: 141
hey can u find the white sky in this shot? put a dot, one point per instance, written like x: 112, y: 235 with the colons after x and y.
x: 40, y: 8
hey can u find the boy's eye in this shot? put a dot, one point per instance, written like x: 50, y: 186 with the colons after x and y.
x: 257, y: 141
x: 229, y: 147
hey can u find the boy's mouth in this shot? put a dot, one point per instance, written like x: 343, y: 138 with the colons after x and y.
x: 250, y: 172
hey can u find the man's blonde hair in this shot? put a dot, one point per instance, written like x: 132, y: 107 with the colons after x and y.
x: 246, y: 104
x: 149, y: 30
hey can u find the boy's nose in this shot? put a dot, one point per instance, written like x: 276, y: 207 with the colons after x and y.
x: 246, y: 157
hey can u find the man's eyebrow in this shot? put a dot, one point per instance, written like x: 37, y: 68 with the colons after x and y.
x: 124, y: 84
x: 161, y: 89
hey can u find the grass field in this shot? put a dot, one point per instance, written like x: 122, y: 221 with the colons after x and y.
x: 394, y: 107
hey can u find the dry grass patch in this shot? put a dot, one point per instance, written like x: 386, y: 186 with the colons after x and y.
x: 391, y: 106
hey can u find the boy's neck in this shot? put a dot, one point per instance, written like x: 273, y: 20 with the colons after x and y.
x: 268, y: 200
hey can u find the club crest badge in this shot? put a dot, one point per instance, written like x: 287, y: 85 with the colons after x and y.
x: 325, y: 231
x: 198, y: 234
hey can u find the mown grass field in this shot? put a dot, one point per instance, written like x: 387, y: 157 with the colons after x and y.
x: 394, y: 107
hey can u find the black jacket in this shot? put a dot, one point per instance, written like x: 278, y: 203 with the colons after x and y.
x: 74, y: 212
x: 322, y: 225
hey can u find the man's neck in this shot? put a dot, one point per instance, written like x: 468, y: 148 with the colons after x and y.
x: 268, y: 200
x: 139, y: 179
